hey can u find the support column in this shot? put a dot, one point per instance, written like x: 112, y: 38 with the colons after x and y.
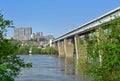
x: 65, y: 46
x: 84, y: 48
x: 69, y: 48
x: 100, y: 37
x: 81, y: 52
x: 61, y: 50
x: 56, y: 45
x: 77, y: 46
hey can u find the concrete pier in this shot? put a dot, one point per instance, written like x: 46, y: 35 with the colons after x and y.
x: 61, y: 50
x: 69, y: 48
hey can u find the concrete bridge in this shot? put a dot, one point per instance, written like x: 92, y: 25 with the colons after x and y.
x: 69, y: 43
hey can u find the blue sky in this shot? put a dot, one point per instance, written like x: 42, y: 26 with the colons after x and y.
x: 54, y: 17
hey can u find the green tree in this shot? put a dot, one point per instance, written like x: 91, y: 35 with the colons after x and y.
x: 23, y: 49
x: 36, y: 50
x: 51, y: 50
x: 104, y: 53
x: 10, y: 64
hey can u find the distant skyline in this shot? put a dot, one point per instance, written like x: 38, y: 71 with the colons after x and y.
x: 54, y: 17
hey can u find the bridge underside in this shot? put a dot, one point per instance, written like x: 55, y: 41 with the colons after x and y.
x: 76, y: 40
x: 67, y: 48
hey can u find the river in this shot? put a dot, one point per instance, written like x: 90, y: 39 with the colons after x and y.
x: 49, y: 68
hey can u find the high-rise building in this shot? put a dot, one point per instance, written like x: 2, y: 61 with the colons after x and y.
x: 22, y: 33
x: 38, y: 35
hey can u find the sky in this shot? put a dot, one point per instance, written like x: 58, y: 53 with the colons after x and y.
x: 54, y: 17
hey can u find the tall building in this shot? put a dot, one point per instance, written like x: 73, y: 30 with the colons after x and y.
x: 38, y: 34
x: 22, y: 33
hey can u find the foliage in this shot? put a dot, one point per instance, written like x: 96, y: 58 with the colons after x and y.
x: 50, y: 50
x: 36, y: 50
x: 10, y: 64
x: 23, y: 49
x: 104, y: 53
x: 47, y: 50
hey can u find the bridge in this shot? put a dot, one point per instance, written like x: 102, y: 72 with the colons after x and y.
x: 69, y: 43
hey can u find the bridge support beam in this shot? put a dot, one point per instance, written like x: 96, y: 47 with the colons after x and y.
x: 55, y: 45
x: 61, y: 50
x: 77, y: 46
x: 81, y: 52
x: 100, y: 37
x: 69, y: 48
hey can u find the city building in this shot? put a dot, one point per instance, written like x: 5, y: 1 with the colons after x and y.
x: 22, y: 33
x: 38, y: 35
x: 25, y: 35
x: 44, y: 40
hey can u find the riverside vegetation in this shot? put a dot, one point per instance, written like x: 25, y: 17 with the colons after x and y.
x: 25, y: 50
x: 103, y: 52
x: 10, y: 63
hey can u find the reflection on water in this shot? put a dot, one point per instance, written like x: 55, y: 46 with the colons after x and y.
x: 49, y: 68
x: 69, y: 66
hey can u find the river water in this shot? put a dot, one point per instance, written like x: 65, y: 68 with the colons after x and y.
x: 49, y: 68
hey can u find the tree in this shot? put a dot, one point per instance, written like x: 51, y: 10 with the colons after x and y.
x: 23, y: 49
x: 10, y: 63
x: 104, y: 53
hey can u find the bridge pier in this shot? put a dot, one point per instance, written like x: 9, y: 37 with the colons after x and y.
x: 81, y: 52
x: 100, y: 37
x: 61, y: 50
x: 77, y: 46
x: 69, y: 48
x: 55, y: 45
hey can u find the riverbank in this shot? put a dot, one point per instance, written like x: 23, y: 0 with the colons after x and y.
x: 34, y: 50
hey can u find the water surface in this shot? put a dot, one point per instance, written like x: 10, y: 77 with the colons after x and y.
x: 49, y: 68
